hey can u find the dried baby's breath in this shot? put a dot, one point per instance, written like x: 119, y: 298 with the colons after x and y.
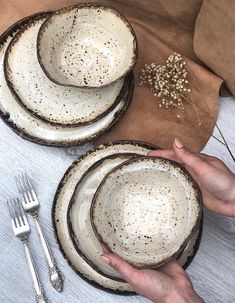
x: 169, y: 83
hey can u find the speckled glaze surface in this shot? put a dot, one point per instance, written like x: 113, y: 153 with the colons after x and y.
x: 52, y: 103
x: 88, y: 45
x: 61, y: 206
x: 36, y: 130
x: 191, y: 248
x: 79, y: 224
x: 145, y: 210
x: 60, y: 210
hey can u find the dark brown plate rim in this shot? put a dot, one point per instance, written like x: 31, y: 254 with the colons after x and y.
x: 80, y: 6
x: 154, y: 159
x: 53, y: 211
x: 62, y: 143
x: 11, y: 85
x: 72, y: 201
x: 57, y: 193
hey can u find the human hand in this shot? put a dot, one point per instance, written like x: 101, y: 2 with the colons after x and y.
x: 216, y: 181
x: 168, y: 284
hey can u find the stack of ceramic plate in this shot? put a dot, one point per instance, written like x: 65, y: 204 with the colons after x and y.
x: 66, y: 76
x: 87, y: 183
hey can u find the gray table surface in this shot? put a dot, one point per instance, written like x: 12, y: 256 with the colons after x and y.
x: 212, y: 271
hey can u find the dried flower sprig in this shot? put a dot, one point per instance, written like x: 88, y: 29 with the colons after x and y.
x: 169, y: 83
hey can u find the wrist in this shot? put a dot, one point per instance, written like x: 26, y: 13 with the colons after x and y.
x: 231, y: 200
x: 233, y: 189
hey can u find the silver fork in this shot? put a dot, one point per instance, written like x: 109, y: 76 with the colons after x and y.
x: 21, y: 230
x: 31, y: 205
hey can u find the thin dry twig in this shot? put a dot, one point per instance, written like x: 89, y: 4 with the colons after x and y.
x: 197, y: 88
x: 225, y: 142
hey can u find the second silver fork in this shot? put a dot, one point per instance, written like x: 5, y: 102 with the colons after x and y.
x: 21, y: 230
x: 31, y: 205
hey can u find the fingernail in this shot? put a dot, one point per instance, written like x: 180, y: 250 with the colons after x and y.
x: 178, y: 143
x: 105, y: 259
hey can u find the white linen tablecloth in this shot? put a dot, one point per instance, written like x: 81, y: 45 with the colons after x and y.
x: 212, y: 271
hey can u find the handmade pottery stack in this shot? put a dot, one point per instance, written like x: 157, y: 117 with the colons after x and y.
x: 66, y: 76
x: 147, y: 210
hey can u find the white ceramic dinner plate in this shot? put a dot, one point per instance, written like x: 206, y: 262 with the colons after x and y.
x: 87, y: 45
x: 145, y: 210
x: 78, y: 250
x: 56, y: 104
x: 36, y: 130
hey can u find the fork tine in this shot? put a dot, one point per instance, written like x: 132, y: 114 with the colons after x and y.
x: 13, y: 212
x: 19, y: 184
x: 23, y: 180
x: 22, y: 188
x: 26, y: 186
x: 30, y: 187
x: 21, y: 212
x: 28, y: 182
x: 10, y: 208
x: 17, y: 211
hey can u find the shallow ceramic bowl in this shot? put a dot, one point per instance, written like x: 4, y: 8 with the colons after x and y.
x: 146, y: 210
x: 32, y: 128
x: 88, y: 45
x: 52, y: 103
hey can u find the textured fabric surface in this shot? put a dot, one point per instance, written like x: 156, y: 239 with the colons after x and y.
x: 170, y: 27
x: 162, y: 27
x: 212, y: 270
x: 214, y: 39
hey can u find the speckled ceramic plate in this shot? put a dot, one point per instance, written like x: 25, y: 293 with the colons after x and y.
x: 79, y: 224
x: 56, y: 104
x: 32, y: 128
x: 88, y: 45
x: 73, y: 252
x: 146, y: 210
x: 60, y: 209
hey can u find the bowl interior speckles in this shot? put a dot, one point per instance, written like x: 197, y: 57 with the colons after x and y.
x: 52, y: 103
x: 87, y: 45
x: 62, y: 200
x: 79, y: 223
x: 146, y: 210
x: 34, y: 129
x: 73, y: 180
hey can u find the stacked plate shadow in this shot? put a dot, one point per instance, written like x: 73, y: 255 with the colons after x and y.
x: 72, y: 207
x: 92, y: 95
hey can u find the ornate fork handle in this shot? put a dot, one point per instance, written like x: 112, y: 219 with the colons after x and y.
x: 55, y: 274
x: 36, y: 282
